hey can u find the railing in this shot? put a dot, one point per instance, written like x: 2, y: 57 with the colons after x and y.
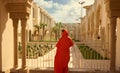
x: 95, y: 56
x: 40, y: 55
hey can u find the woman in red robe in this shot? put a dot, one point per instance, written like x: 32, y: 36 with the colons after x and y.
x: 62, y: 56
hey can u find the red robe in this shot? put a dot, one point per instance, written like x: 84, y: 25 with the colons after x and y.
x: 62, y: 56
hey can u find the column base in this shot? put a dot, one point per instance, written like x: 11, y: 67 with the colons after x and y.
x: 7, y: 71
x: 24, y: 70
x: 14, y: 70
x: 15, y: 66
x: 1, y: 72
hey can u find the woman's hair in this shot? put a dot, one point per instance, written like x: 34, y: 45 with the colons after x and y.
x: 63, y: 30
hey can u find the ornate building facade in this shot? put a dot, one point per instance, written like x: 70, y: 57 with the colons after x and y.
x: 101, y: 24
x: 17, y: 18
x: 39, y: 17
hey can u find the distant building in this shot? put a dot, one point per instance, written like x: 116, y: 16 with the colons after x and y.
x: 38, y: 16
x: 73, y: 29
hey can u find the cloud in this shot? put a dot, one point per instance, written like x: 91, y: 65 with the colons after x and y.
x: 67, y: 12
x: 45, y: 4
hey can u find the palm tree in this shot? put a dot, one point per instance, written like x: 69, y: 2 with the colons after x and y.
x: 38, y: 27
x: 60, y: 26
x: 43, y: 28
x: 56, y: 29
x: 35, y: 31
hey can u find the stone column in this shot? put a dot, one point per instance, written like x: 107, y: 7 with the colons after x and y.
x: 49, y: 23
x: 40, y: 17
x: 96, y: 33
x: 23, y: 24
x: 15, y: 27
x: 44, y: 26
x: 44, y: 18
x: 113, y: 43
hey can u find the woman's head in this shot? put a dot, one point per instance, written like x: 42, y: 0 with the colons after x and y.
x: 64, y: 33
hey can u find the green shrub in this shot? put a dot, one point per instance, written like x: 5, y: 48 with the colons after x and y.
x: 89, y: 53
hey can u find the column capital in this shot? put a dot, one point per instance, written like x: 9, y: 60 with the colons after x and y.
x: 114, y: 7
x: 19, y: 15
x: 113, y: 17
x: 23, y: 19
x: 113, y: 20
x: 19, y: 10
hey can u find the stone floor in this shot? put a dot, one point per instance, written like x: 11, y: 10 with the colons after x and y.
x: 70, y: 71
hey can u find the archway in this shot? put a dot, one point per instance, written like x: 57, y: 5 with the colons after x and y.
x: 98, y: 23
x: 92, y: 26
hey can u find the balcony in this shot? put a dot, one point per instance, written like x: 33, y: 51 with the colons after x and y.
x: 40, y: 57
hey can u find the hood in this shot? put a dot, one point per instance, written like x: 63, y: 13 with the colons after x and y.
x: 64, y: 33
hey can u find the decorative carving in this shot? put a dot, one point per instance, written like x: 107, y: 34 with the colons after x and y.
x: 114, y: 7
x: 19, y: 15
x: 19, y: 10
x: 18, y: 7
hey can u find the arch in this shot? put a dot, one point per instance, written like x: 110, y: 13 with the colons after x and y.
x: 85, y: 31
x: 102, y: 34
x: 88, y: 28
x: 92, y: 25
x: 107, y: 30
x: 92, y: 21
x: 30, y: 35
x: 88, y: 23
x: 98, y: 21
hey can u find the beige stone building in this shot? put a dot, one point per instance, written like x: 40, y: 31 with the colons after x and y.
x: 102, y: 20
x: 73, y: 29
x: 40, y: 16
x: 37, y: 16
x: 101, y: 24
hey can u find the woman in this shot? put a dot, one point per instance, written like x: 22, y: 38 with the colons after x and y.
x: 62, y: 56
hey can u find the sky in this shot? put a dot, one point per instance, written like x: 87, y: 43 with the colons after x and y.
x: 66, y: 11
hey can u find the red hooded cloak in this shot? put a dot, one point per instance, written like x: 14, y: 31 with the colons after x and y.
x: 62, y: 56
